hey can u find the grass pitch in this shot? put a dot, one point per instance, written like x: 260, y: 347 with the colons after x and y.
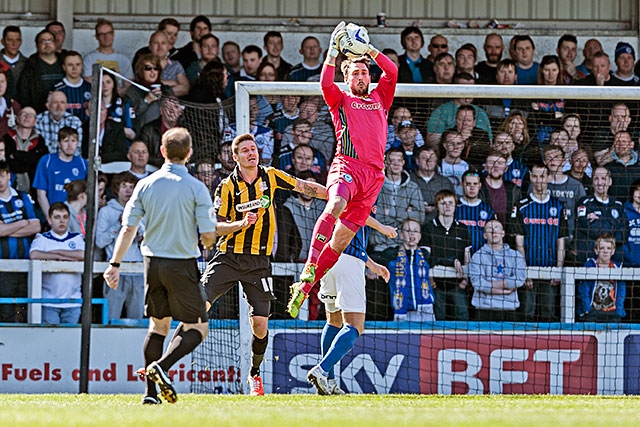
x: 308, y: 410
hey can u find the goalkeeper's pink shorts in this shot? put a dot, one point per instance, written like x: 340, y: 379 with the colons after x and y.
x: 359, y: 184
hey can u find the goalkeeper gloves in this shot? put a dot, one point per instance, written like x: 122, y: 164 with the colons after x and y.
x: 336, y: 35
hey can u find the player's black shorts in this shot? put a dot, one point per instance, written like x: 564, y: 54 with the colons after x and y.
x: 172, y: 288
x: 254, y: 272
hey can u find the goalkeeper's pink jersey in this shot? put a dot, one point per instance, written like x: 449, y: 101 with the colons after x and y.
x: 361, y: 122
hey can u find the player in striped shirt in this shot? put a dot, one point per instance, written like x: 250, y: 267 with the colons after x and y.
x: 356, y: 174
x: 471, y: 211
x: 540, y: 227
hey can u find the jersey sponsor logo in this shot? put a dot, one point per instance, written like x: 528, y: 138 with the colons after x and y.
x: 369, y: 107
x: 472, y: 223
x: 541, y: 221
x: 582, y: 210
x: 263, y: 202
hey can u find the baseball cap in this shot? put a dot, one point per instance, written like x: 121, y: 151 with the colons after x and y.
x: 406, y: 124
x: 624, y: 47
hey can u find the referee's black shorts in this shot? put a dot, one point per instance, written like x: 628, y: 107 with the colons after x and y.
x: 254, y: 272
x: 172, y: 289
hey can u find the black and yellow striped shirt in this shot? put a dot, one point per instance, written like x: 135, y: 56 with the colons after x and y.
x: 234, y: 196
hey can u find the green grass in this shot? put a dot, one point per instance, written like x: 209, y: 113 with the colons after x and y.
x: 309, y: 410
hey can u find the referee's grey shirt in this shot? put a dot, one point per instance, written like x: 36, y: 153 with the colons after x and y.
x: 175, y: 206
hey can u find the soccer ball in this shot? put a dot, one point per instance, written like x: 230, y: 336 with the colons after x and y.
x: 355, y: 41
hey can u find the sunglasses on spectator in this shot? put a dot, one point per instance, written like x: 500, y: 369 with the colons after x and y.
x: 439, y: 46
x: 151, y: 67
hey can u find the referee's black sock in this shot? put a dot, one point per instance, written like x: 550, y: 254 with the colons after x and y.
x: 258, y: 348
x: 152, y: 350
x: 181, y: 344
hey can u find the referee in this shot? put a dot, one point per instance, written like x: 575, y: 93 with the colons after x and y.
x: 247, y: 229
x: 175, y: 207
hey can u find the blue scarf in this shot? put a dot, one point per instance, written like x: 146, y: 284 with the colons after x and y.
x: 401, y: 272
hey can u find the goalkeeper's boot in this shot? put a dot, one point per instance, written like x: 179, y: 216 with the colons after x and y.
x: 319, y: 380
x: 255, y: 384
x: 160, y: 377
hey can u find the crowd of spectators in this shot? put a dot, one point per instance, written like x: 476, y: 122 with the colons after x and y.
x: 557, y: 179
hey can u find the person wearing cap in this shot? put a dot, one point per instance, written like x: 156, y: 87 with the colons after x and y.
x: 625, y: 57
x: 407, y: 133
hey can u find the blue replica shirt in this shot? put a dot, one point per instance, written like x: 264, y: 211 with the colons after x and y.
x: 302, y: 73
x: 18, y: 207
x: 541, y: 222
x: 52, y: 174
x: 516, y: 172
x: 474, y: 216
x: 528, y: 76
x: 632, y: 245
x: 78, y: 97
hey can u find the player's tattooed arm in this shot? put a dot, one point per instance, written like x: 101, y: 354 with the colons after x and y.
x: 311, y: 189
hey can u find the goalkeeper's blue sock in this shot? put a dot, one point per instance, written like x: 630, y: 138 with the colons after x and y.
x: 342, y: 344
x: 329, y: 332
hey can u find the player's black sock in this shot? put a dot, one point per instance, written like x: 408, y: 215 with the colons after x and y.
x: 181, y: 344
x: 258, y: 348
x: 152, y: 350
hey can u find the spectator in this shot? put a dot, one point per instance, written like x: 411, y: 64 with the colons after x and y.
x: 413, y: 68
x: 273, y: 46
x: 566, y: 50
x: 452, y: 166
x: 17, y: 228
x: 59, y: 244
x: 102, y: 191
x: 466, y: 60
x: 399, y: 199
x: 57, y: 29
x: 263, y: 135
x: 477, y: 140
x: 501, y: 195
x: 579, y: 162
x: 496, y: 272
x: 632, y: 245
x: 210, y: 87
x: 107, y: 56
x: 198, y: 27
x: 77, y: 89
x: 625, y: 57
x: 428, y: 178
x: 151, y: 133
x: 56, y: 169
x: 527, y: 152
x: 526, y: 67
x: 619, y: 120
x: 601, y: 73
x: 310, y: 67
x: 56, y: 117
x: 444, y: 68
x: 516, y: 171
x: 392, y: 55
x: 130, y: 290
x: 76, y: 203
x: 572, y: 123
x: 596, y: 214
x: 111, y: 138
x: 624, y: 167
x: 171, y: 27
x: 40, y: 74
x: 412, y: 295
x: 562, y: 187
x: 445, y: 116
x: 540, y: 227
x: 548, y: 112
x: 400, y: 114
x: 493, y: 48
x: 437, y: 46
x: 138, y: 155
x: 407, y: 133
x: 291, y: 156
x: 322, y: 135
x: 282, y: 119
x: 227, y: 164
x: 267, y: 104
x: 471, y: 211
x: 118, y: 109
x: 12, y: 57
x: 601, y: 300
x: 251, y: 57
x: 8, y: 106
x: 591, y: 47
x: 447, y: 241
x: 231, y: 55
x: 209, y: 48
x: 144, y: 102
x: 23, y: 149
x: 173, y: 74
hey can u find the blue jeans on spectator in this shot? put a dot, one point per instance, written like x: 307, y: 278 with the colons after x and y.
x: 57, y: 315
x: 451, y: 300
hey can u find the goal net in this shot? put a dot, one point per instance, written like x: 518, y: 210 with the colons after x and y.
x: 554, y: 312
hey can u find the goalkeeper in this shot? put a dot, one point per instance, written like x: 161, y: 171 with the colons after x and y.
x: 356, y: 174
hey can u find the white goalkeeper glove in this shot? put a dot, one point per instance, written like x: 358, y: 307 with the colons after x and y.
x: 336, y: 35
